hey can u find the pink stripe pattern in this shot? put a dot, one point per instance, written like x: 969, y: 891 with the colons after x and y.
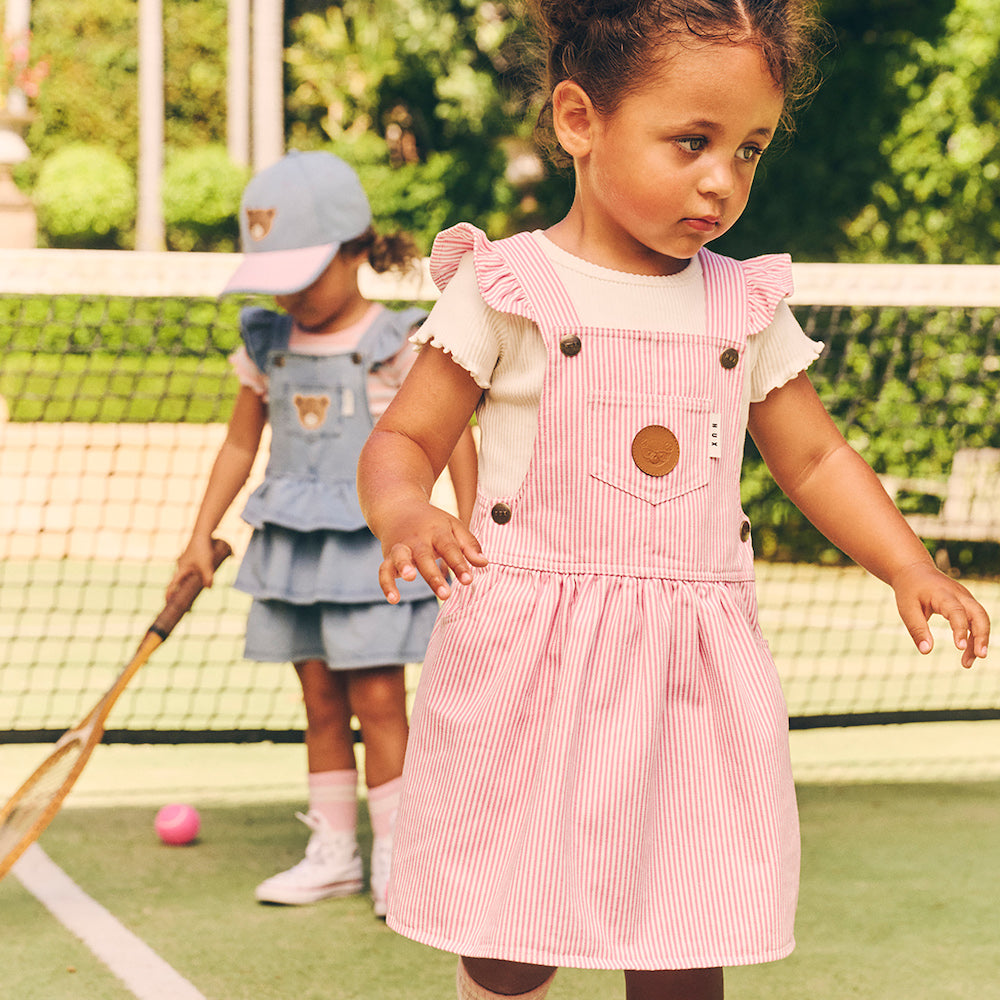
x: 598, y: 771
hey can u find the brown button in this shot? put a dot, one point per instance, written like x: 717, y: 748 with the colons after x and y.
x: 744, y: 531
x: 279, y: 361
x: 729, y: 358
x: 501, y: 513
x: 655, y: 450
x: 570, y: 345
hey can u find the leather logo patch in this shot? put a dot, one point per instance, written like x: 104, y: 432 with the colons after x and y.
x: 655, y: 450
x: 259, y: 221
x: 312, y: 410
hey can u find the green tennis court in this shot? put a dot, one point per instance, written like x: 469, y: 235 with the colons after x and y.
x: 901, y: 881
x: 900, y: 895
x: 890, y: 868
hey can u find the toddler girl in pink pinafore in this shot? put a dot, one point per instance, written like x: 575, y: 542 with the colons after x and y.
x: 598, y: 763
x: 598, y: 771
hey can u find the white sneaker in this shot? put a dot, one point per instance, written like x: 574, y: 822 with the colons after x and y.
x: 331, y: 867
x: 381, y: 858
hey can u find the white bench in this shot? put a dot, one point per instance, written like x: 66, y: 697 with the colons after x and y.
x: 970, y: 500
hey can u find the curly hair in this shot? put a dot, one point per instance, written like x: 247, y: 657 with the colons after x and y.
x: 608, y: 46
x: 393, y: 252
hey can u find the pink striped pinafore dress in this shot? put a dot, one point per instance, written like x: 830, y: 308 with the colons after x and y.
x: 598, y: 772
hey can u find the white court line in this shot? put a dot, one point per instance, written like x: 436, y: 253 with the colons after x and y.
x: 147, y: 975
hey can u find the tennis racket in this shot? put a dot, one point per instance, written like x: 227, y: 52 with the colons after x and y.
x: 35, y: 803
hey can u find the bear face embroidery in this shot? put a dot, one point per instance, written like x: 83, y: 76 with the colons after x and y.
x: 259, y: 222
x: 312, y: 410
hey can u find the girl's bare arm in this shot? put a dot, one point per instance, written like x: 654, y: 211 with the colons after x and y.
x: 229, y: 472
x: 404, y: 455
x: 833, y: 486
x: 463, y: 467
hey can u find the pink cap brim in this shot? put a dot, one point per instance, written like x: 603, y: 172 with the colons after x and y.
x: 280, y: 272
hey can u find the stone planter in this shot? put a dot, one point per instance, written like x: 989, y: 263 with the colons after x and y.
x: 18, y: 223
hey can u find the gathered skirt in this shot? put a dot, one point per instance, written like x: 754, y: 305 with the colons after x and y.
x: 345, y: 636
x: 306, y: 567
x: 598, y: 776
x: 316, y: 596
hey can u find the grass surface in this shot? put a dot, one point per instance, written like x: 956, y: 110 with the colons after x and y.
x: 900, y: 901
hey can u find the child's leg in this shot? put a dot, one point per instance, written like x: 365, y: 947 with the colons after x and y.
x: 377, y: 696
x: 488, y: 978
x: 329, y: 741
x: 331, y: 866
x: 683, y: 984
x: 333, y: 775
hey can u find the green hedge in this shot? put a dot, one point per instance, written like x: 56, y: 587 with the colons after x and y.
x: 201, y: 199
x: 85, y: 197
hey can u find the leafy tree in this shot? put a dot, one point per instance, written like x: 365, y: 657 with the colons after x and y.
x: 937, y: 201
x: 441, y: 82
x: 91, y: 94
x: 812, y: 183
x: 895, y: 158
x: 195, y: 66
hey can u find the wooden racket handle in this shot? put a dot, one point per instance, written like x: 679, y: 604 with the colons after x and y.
x: 187, y: 590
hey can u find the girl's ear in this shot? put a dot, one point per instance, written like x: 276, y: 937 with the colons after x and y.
x: 573, y: 117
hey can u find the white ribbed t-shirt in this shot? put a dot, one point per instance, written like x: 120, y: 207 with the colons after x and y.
x: 506, y: 356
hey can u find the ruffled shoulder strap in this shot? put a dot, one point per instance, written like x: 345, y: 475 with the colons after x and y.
x: 752, y: 288
x: 263, y: 331
x: 497, y: 283
x: 387, y: 334
x: 769, y: 280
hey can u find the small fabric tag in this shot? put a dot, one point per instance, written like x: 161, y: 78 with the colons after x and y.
x: 714, y: 435
x: 347, y: 403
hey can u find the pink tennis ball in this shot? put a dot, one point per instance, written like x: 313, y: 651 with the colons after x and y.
x: 178, y: 824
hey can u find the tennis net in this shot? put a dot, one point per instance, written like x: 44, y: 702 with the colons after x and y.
x: 116, y: 388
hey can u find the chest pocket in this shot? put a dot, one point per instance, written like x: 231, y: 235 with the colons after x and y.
x: 655, y: 448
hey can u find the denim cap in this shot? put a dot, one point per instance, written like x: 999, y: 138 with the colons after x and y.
x: 294, y: 216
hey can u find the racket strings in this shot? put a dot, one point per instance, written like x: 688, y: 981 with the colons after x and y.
x: 32, y: 804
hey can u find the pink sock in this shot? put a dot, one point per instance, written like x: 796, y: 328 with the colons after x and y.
x: 383, y: 804
x: 469, y: 989
x: 334, y: 795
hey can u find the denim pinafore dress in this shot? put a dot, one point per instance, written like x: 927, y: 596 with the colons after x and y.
x: 598, y: 772
x: 312, y: 562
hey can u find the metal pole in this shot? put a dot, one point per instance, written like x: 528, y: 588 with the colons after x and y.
x: 149, y: 229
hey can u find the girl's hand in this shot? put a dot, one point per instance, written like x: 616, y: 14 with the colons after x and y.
x: 414, y: 543
x: 830, y: 483
x: 922, y: 590
x: 197, y: 558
